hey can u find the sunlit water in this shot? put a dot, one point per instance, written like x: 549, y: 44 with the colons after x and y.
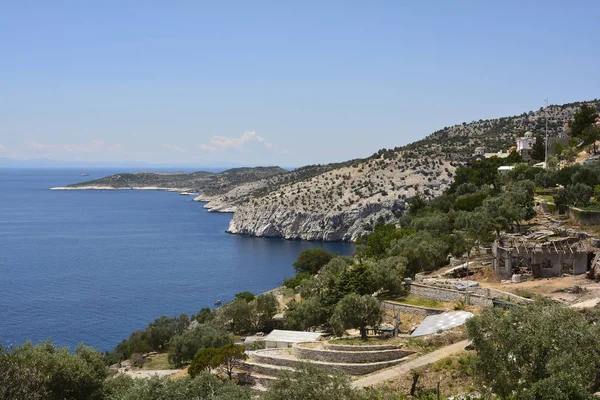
x: 92, y: 266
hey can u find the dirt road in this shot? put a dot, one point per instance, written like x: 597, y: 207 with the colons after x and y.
x: 404, y: 368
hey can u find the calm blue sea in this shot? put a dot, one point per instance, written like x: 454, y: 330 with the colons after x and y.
x: 93, y: 266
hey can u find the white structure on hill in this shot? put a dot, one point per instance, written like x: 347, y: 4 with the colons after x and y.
x: 279, y: 339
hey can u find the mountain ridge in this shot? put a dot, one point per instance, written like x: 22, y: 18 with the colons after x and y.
x: 343, y: 201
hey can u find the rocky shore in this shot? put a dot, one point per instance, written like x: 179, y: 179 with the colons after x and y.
x: 100, y: 187
x: 290, y: 223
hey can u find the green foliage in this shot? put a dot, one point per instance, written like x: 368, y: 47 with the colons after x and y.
x: 435, y: 222
x: 591, y: 135
x: 523, y: 172
x: 229, y: 357
x: 469, y: 202
x: 460, y: 305
x: 46, y: 372
x: 583, y: 118
x: 377, y: 242
x: 265, y: 307
x: 204, y: 315
x: 562, y: 199
x: 588, y: 174
x: 156, y: 336
x: 422, y: 251
x: 294, y: 282
x: 357, y: 279
x: 203, y: 387
x: 482, y: 172
x: 242, y: 317
x: 306, y: 314
x: 389, y: 273
x: 204, y: 360
x: 237, y: 316
x: 538, y: 152
x: 312, y: 260
x: 416, y: 204
x: 186, y: 345
x: 580, y: 194
x: 246, y: 296
x: 542, y: 351
x: 311, y: 383
x: 569, y: 154
x: 513, y: 158
x: 574, y: 195
x: 355, y: 311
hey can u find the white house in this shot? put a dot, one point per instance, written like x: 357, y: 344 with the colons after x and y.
x: 526, y: 142
x: 280, y: 339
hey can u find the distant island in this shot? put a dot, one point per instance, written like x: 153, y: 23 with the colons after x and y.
x: 344, y: 201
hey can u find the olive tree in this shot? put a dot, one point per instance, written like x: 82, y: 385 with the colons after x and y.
x: 355, y: 311
x: 185, y: 346
x: 44, y: 371
x: 540, y: 351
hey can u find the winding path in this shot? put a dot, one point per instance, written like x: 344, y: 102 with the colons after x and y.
x: 404, y: 368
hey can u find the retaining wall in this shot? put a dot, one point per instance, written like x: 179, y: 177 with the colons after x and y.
x: 262, y: 357
x: 408, y: 309
x: 349, y: 347
x: 499, y: 294
x: 585, y: 217
x: 448, y: 295
x: 337, y: 356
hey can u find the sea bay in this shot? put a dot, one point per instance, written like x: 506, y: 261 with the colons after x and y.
x: 93, y: 266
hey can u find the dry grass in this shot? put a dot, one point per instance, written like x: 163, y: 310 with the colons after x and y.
x: 159, y: 361
x: 454, y: 374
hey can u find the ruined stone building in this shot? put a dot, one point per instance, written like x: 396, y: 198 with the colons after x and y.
x: 539, y: 254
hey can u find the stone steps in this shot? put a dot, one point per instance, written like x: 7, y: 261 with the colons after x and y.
x: 342, y: 354
x: 257, y: 368
x: 264, y: 358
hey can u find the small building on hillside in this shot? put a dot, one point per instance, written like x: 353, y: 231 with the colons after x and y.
x: 525, y: 145
x: 540, y: 254
x: 280, y: 339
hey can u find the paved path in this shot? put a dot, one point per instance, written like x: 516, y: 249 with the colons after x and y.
x: 586, y: 304
x: 404, y: 368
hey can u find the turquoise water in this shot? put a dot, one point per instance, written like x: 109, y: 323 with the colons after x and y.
x: 93, y: 266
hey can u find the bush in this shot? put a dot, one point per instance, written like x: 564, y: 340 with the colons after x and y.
x: 294, y: 282
x: 247, y: 296
x: 312, y: 260
x: 204, y: 386
x: 44, y: 371
x: 185, y: 346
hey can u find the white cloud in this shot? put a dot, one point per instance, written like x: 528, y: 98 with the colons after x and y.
x: 173, y: 148
x: 2, y: 147
x: 207, y: 147
x: 224, y: 142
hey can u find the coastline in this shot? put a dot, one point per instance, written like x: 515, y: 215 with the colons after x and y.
x: 177, y: 190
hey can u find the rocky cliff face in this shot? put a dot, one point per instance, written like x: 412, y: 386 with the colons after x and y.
x: 345, y: 203
x: 290, y: 223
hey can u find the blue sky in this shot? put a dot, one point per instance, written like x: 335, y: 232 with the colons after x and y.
x: 277, y: 82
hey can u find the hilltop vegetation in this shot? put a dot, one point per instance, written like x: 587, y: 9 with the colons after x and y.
x: 344, y: 201
x: 459, y: 141
x: 201, y: 181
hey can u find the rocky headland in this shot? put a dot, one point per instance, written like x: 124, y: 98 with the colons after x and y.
x: 342, y: 201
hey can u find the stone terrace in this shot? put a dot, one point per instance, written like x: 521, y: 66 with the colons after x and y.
x: 264, y: 365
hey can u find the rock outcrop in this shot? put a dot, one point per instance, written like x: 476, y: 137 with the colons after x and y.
x: 290, y: 223
x: 344, y: 203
